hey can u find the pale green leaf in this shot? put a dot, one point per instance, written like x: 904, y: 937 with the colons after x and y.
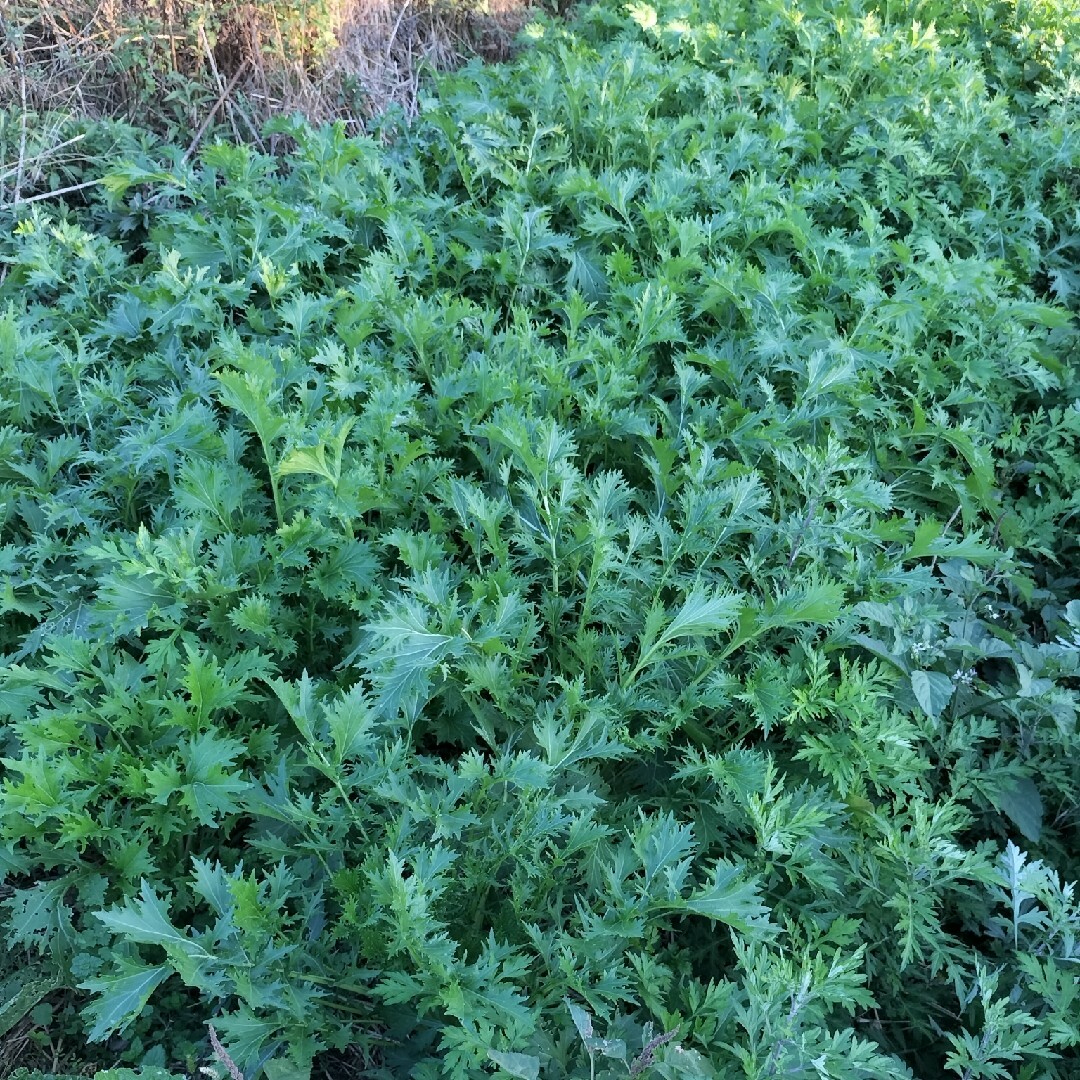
x: 121, y: 997
x: 523, y: 1066
x: 703, y: 612
x: 730, y: 898
x: 933, y: 691
x: 582, y: 1019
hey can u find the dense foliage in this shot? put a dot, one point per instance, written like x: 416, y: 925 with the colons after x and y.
x: 585, y: 585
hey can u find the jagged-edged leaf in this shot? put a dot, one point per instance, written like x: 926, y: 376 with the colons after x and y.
x: 350, y: 721
x: 146, y: 920
x: 1021, y: 879
x: 121, y: 996
x: 349, y: 565
x: 127, y: 601
x: 12, y: 861
x: 586, y: 275
x: 37, y: 914
x: 251, y: 394
x: 21, y: 993
x: 565, y: 743
x: 211, y: 882
x: 731, y: 898
x: 285, y: 1068
x: 408, y: 670
x: 928, y: 541
x: 200, y: 774
x: 703, y: 612
x: 663, y: 844
x: 813, y: 602
x: 246, y: 1037
x: 308, y: 459
x: 656, y: 316
x: 408, y: 651
x: 609, y: 1048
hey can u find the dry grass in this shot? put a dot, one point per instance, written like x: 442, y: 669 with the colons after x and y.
x: 330, y: 59
x: 185, y: 67
x: 384, y: 45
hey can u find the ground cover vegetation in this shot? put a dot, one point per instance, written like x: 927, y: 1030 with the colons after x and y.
x: 582, y: 585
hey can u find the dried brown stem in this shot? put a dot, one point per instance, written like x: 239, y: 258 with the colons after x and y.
x: 222, y: 97
x: 222, y: 1055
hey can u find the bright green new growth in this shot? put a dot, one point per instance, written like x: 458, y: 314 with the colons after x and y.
x: 585, y: 586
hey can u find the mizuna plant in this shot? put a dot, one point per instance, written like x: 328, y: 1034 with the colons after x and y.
x: 583, y: 585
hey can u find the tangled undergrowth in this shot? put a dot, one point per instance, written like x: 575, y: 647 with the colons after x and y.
x: 191, y: 71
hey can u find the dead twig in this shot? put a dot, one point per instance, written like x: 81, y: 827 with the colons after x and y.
x: 208, y: 119
x: 223, y: 89
x: 52, y: 194
x: 22, y: 129
x: 52, y: 151
x: 397, y: 26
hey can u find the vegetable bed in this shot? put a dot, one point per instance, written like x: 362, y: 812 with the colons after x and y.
x: 585, y: 584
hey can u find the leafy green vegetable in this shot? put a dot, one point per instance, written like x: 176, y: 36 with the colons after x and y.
x: 600, y: 558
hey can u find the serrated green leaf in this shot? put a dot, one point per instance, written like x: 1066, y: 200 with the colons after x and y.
x: 703, y: 613
x: 21, y: 994
x: 306, y: 460
x: 38, y: 914
x: 245, y: 1036
x: 284, y: 1068
x: 146, y: 920
x: 609, y: 1048
x: 731, y: 898
x: 121, y: 997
